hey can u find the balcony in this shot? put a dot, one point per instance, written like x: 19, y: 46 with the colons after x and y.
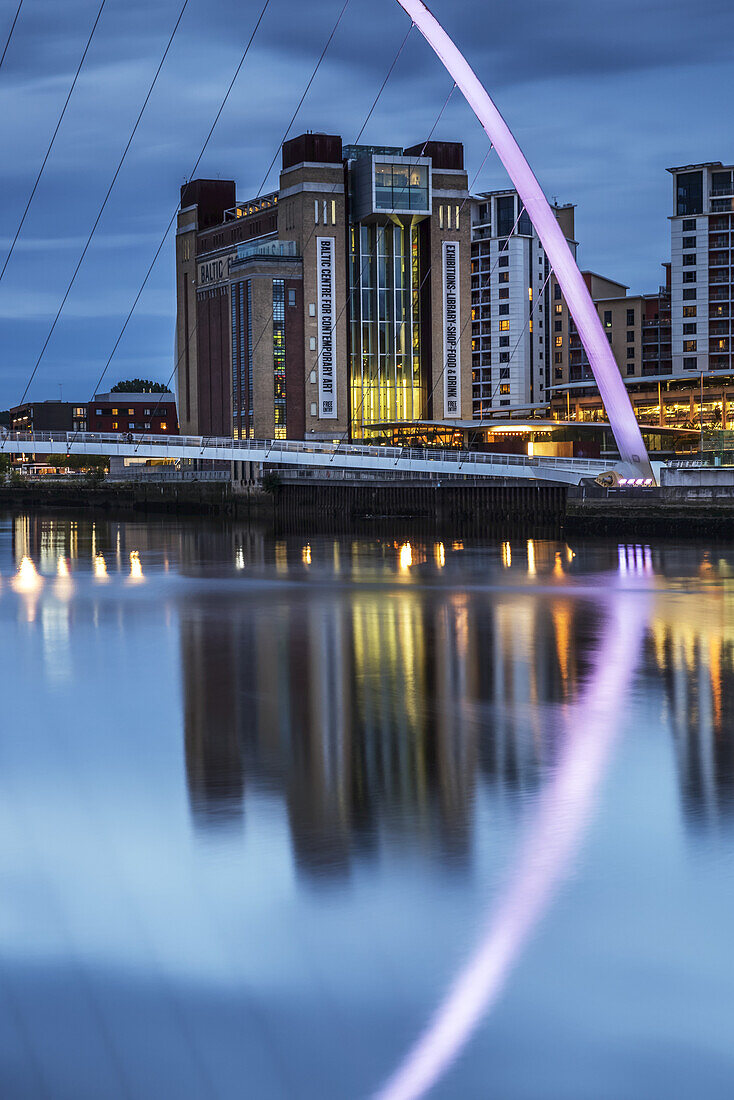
x: 719, y: 259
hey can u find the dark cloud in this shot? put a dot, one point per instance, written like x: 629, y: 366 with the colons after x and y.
x: 603, y: 97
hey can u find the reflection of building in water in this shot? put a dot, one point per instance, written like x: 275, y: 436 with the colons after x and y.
x: 694, y: 649
x: 373, y: 711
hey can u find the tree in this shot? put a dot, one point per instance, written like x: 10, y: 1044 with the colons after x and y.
x: 139, y: 385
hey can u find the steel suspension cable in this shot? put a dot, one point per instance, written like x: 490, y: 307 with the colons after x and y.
x: 167, y: 230
x: 53, y: 139
x: 294, y: 270
x: 10, y: 33
x: 105, y: 201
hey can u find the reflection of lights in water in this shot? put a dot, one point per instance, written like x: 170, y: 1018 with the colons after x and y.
x: 558, y: 567
x: 506, y: 555
x: 531, y: 558
x: 406, y: 557
x: 457, y: 545
x: 27, y: 578
x: 570, y: 554
x: 63, y: 585
x: 100, y: 568
x: 239, y: 558
x: 306, y: 555
x: 136, y: 566
x: 635, y: 559
x: 548, y: 853
x: 439, y: 552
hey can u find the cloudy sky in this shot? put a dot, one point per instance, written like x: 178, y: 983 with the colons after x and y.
x: 602, y: 97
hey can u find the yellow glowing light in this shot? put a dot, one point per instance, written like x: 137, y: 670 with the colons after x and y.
x: 457, y: 545
x: 406, y: 557
x: 100, y: 567
x: 531, y: 558
x: 440, y: 554
x: 27, y: 578
x: 136, y: 566
x: 558, y: 567
x: 62, y: 568
x: 506, y: 555
x: 306, y: 555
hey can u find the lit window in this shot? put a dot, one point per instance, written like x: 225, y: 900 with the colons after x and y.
x: 504, y: 326
x: 131, y: 412
x: 164, y: 426
x: 114, y: 425
x: 457, y: 216
x: 689, y: 311
x: 689, y: 345
x: 559, y: 341
x: 440, y: 222
x: 504, y: 389
x: 530, y: 293
x: 114, y: 412
x: 448, y: 217
x: 333, y: 211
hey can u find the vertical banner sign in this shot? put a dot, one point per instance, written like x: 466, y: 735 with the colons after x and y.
x: 325, y: 251
x: 451, y: 333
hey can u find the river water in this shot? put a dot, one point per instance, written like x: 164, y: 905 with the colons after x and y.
x: 289, y: 817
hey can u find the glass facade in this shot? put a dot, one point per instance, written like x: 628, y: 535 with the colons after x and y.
x: 385, y: 367
x: 689, y: 193
x: 242, y: 395
x: 401, y: 186
x: 279, y: 358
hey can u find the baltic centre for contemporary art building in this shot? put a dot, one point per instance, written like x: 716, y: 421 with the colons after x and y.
x: 339, y: 304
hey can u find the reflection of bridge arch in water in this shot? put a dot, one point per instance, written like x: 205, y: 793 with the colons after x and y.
x: 546, y: 856
x: 603, y: 364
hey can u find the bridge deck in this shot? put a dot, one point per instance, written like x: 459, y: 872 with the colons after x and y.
x: 567, y: 471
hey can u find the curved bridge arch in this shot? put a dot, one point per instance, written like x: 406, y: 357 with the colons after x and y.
x: 603, y: 364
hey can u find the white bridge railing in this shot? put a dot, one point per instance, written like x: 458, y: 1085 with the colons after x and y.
x: 304, y: 453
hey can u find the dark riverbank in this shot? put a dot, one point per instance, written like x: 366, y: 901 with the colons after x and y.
x: 454, y: 509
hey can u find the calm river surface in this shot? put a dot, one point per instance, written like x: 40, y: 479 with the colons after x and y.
x: 349, y: 817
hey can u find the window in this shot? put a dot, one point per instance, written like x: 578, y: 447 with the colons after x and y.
x: 504, y: 341
x: 690, y: 329
x: 448, y: 218
x: 504, y: 325
x: 114, y: 412
x: 556, y: 292
x: 440, y: 219
x: 131, y: 424
x: 689, y: 225
x: 147, y: 423
x: 559, y: 308
x: 504, y: 276
x: 164, y: 426
x: 689, y: 242
x: 689, y: 259
x: 504, y: 261
x: 689, y: 311
x: 689, y: 276
x: 559, y: 341
x: 689, y: 345
x: 504, y: 357
x: 291, y: 297
x: 98, y: 412
x: 689, y: 193
x: 690, y: 364
x: 504, y: 389
x: 147, y: 412
x: 558, y: 358
x: 402, y: 187
x: 607, y: 318
x: 689, y: 294
x: 333, y: 211
x: 316, y: 211
x: 114, y: 425
x: 558, y: 326
x: 504, y: 372
x: 630, y: 336
x: 630, y: 353
x: 504, y: 292
x: 504, y: 309
x: 505, y: 208
x: 456, y: 222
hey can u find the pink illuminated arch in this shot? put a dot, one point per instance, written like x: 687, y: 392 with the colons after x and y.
x: 611, y: 387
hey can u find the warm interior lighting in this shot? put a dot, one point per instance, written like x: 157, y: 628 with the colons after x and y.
x: 406, y: 557
x: 306, y: 555
x: 440, y: 554
x: 100, y: 568
x: 506, y: 555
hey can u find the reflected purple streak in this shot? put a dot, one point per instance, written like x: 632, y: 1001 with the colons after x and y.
x: 546, y: 858
x: 606, y: 372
